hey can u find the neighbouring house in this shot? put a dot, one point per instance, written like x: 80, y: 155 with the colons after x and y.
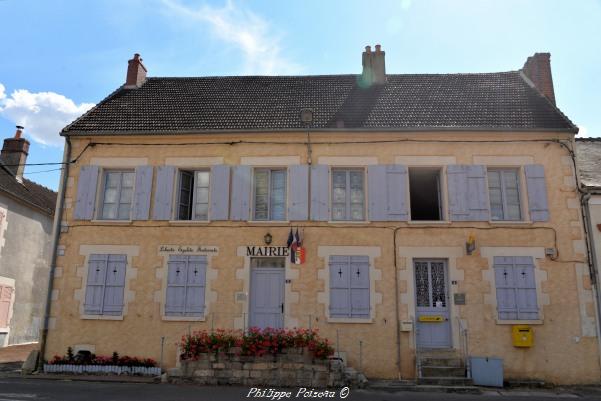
x: 438, y: 216
x: 26, y: 218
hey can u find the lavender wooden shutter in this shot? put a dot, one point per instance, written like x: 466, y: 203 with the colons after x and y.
x: 220, y: 192
x: 359, y: 288
x: 115, y: 285
x: 195, y: 285
x: 525, y: 288
x: 457, y: 190
x: 241, y: 189
x: 163, y: 194
x: 298, y: 197
x: 477, y: 194
x: 95, y: 284
x: 339, y: 286
x: 396, y: 192
x: 87, y: 183
x: 142, y: 191
x: 537, y: 192
x: 505, y: 286
x: 320, y: 192
x: 377, y: 193
x: 177, y: 271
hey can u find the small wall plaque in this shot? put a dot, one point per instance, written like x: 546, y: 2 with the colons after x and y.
x: 459, y: 298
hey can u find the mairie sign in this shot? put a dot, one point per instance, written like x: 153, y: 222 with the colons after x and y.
x: 267, y: 251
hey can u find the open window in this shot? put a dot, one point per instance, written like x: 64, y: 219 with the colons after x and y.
x: 193, y: 196
x: 424, y: 190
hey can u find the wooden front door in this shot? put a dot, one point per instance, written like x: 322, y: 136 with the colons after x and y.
x: 267, y: 292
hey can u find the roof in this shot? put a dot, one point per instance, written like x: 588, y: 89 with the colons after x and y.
x: 488, y: 101
x: 588, y: 160
x: 28, y: 191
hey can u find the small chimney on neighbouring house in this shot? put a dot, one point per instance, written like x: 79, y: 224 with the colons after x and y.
x: 374, y: 66
x: 136, y: 72
x: 14, y: 153
x: 538, y: 70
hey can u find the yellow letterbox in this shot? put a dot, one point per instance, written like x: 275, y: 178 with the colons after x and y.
x: 522, y: 335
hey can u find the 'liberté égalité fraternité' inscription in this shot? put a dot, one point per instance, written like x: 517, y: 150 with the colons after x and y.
x: 188, y: 249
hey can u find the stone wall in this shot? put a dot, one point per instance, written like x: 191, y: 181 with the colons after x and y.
x: 294, y: 368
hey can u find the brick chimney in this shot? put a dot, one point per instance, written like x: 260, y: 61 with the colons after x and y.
x: 538, y: 70
x: 374, y: 67
x: 14, y: 153
x: 136, y: 73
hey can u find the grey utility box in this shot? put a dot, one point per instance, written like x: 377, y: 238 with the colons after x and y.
x: 487, y: 371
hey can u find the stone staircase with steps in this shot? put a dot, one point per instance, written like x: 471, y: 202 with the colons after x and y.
x: 442, y: 367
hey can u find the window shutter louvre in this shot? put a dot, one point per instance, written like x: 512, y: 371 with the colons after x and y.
x: 6, y: 293
x: 177, y: 270
x: 241, y: 190
x: 457, y: 191
x: 142, y: 191
x: 115, y: 285
x: 163, y: 195
x: 220, y: 192
x: 477, y: 193
x: 526, y: 288
x: 396, y: 192
x: 320, y: 192
x: 298, y: 195
x: 195, y: 285
x: 537, y: 192
x: 359, y: 286
x: 339, y: 286
x: 87, y: 183
x: 377, y: 192
x: 505, y: 286
x: 95, y: 284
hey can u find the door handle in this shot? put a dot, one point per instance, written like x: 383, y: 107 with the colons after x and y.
x: 282, y: 305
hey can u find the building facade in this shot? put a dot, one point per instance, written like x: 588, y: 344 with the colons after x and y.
x: 434, y: 211
x: 26, y: 217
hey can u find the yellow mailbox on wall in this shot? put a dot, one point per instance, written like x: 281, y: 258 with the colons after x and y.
x: 523, y: 336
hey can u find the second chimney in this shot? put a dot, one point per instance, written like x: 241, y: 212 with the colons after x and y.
x: 374, y: 66
x: 538, y: 70
x: 14, y: 153
x: 136, y: 73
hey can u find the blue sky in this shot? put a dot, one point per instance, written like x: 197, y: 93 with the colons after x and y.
x: 60, y: 57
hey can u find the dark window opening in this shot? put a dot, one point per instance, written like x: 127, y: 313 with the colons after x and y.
x: 424, y: 190
x: 186, y: 187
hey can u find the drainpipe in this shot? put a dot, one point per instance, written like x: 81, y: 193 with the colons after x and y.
x: 397, y: 303
x: 58, y: 217
x: 593, y: 264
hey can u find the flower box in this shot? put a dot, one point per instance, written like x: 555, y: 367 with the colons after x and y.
x: 102, y: 369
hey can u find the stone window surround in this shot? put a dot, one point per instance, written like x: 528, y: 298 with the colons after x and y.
x: 131, y: 272
x: 375, y: 275
x: 8, y: 282
x: 161, y: 274
x: 540, y: 276
x: 407, y: 297
x: 291, y: 273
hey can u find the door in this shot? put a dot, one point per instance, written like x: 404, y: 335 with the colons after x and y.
x: 267, y: 292
x: 432, y: 304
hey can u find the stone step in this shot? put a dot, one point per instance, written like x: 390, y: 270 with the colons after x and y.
x: 448, y: 362
x: 445, y: 381
x: 442, y: 371
x: 406, y: 385
x: 439, y: 353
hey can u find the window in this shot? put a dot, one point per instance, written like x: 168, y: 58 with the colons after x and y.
x: 193, y: 200
x: 6, y: 294
x: 349, y: 287
x: 270, y: 194
x: 424, y: 194
x: 117, y: 195
x: 516, y: 288
x: 186, y: 285
x: 105, y: 285
x: 348, y: 194
x: 504, y: 194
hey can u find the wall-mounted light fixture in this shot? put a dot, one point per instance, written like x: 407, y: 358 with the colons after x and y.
x: 267, y: 238
x: 470, y: 245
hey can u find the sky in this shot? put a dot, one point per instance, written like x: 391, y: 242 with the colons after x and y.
x: 58, y: 58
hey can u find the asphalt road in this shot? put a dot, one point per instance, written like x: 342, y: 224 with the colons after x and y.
x: 19, y: 389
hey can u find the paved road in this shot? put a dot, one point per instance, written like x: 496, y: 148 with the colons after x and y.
x: 19, y: 389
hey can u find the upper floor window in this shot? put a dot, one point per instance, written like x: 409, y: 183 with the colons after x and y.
x: 269, y: 194
x: 504, y: 194
x: 348, y: 194
x: 425, y: 194
x: 117, y: 195
x: 193, y: 200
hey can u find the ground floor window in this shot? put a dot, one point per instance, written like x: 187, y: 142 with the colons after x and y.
x: 186, y: 283
x: 105, y: 284
x: 516, y: 288
x: 349, y: 287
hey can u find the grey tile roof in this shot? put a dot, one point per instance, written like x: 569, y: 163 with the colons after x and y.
x: 503, y: 101
x: 588, y: 160
x: 29, y: 192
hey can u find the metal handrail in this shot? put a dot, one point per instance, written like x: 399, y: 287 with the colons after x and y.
x: 464, y: 344
x: 418, y: 370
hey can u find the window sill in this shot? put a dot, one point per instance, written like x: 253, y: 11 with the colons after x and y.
x: 101, y: 317
x: 429, y: 222
x: 349, y: 320
x: 514, y: 322
x: 124, y: 222
x: 510, y: 223
x: 348, y: 222
x: 268, y: 222
x: 189, y: 222
x: 184, y: 318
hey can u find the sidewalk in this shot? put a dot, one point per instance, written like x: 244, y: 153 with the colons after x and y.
x: 16, y: 353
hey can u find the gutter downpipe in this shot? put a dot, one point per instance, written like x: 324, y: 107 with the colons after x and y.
x: 593, y: 264
x: 58, y: 217
x: 396, y: 303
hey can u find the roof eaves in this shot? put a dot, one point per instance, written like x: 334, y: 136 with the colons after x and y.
x: 13, y: 195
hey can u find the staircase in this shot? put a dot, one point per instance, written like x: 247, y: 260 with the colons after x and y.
x: 441, y: 367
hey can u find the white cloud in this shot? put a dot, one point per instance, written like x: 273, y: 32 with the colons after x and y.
x: 245, y: 31
x: 43, y: 114
x: 582, y: 131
